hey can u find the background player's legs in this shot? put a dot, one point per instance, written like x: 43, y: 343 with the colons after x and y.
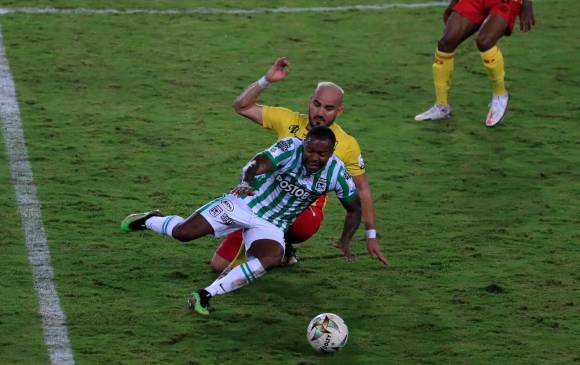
x: 457, y: 29
x: 494, y: 27
x: 491, y: 31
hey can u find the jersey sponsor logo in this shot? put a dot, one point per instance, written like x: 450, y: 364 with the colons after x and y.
x: 226, y: 219
x: 215, y: 211
x: 293, y: 128
x: 292, y: 189
x: 283, y: 145
x: 321, y: 185
x: 228, y: 205
x: 361, y: 162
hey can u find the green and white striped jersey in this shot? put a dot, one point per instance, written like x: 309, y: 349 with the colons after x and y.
x: 288, y: 190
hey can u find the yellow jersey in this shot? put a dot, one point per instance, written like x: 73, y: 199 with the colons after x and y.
x: 287, y: 123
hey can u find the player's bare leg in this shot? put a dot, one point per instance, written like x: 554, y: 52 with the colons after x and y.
x: 263, y: 255
x: 184, y: 230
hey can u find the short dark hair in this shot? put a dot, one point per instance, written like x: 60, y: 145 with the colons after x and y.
x: 321, y: 132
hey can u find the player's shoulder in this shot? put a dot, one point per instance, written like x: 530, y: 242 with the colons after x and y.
x: 282, y: 113
x: 336, y: 163
x: 347, y: 147
x: 288, y: 143
x: 342, y: 137
x: 338, y: 170
x: 284, y: 121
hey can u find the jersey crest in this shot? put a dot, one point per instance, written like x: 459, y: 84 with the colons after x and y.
x: 320, y: 186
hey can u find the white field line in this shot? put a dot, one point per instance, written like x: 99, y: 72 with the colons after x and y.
x: 53, y: 318
x: 192, y: 11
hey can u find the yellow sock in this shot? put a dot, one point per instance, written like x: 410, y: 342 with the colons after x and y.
x: 240, y: 257
x: 493, y: 62
x: 442, y: 70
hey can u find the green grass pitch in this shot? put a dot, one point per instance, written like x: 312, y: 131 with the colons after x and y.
x: 125, y: 113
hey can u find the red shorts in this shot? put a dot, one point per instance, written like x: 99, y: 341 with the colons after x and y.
x: 478, y: 10
x: 305, y: 226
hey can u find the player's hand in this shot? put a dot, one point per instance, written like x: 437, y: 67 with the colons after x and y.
x: 243, y: 189
x: 279, y: 70
x: 374, y: 250
x: 345, y: 248
x: 527, y: 17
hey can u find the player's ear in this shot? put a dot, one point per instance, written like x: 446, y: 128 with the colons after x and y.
x: 339, y: 111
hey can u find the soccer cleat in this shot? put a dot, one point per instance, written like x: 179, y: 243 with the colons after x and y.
x: 136, y: 222
x: 199, y: 302
x: 497, y: 109
x: 290, y: 257
x: 437, y: 111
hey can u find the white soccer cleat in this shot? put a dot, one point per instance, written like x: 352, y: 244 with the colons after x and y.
x: 497, y: 109
x: 437, y: 111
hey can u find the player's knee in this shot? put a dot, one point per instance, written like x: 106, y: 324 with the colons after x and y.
x: 269, y: 252
x: 180, y: 233
x: 218, y: 263
x: 271, y: 261
x: 447, y: 44
x: 217, y: 268
x: 485, y: 42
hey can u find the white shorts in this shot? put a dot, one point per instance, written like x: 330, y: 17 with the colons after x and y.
x: 228, y: 214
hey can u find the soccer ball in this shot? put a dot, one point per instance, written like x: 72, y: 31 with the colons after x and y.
x: 327, y: 332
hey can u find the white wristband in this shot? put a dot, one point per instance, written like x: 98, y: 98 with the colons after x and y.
x: 263, y: 82
x: 371, y: 233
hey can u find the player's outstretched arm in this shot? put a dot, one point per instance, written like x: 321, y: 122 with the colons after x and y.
x: 246, y: 103
x: 351, y: 223
x: 527, y: 16
x: 257, y: 166
x: 368, y: 213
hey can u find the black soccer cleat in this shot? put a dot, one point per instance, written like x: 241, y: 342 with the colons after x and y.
x: 290, y: 256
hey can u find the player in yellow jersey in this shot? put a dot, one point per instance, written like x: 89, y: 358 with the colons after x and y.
x: 491, y: 19
x: 325, y: 106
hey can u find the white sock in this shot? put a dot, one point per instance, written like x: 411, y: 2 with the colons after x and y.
x: 163, y: 225
x: 238, y: 277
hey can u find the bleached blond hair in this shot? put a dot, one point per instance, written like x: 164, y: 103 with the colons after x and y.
x: 328, y: 84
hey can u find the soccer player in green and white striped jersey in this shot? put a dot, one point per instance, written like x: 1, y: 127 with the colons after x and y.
x: 276, y: 186
x: 293, y: 186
